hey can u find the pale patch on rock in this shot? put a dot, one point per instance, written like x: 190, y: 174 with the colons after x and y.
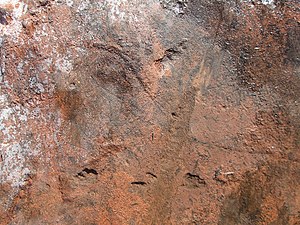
x: 125, y: 10
x: 178, y: 7
x: 13, y: 153
x: 269, y: 3
x: 116, y: 12
x: 64, y: 65
x: 69, y: 3
x: 84, y: 5
x: 13, y: 168
x: 14, y: 10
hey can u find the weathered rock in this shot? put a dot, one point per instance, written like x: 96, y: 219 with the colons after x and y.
x: 149, y: 112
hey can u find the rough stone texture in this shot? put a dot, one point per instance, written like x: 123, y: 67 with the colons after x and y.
x: 150, y: 112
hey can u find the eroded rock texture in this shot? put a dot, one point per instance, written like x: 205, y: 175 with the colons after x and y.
x: 149, y: 112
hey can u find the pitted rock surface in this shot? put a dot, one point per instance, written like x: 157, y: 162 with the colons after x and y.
x: 149, y: 112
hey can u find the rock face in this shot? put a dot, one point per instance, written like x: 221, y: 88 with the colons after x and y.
x: 149, y: 112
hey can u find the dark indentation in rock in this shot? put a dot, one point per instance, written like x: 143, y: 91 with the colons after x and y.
x: 217, y: 176
x: 174, y: 114
x: 114, y: 71
x: 176, y: 6
x: 223, y: 177
x: 173, y: 52
x: 86, y: 171
x: 3, y: 15
x: 194, y: 180
x: 44, y: 2
x: 139, y: 183
x: 151, y: 174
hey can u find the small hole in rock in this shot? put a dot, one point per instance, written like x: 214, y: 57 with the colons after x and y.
x: 72, y: 86
x: 174, y: 114
x: 86, y: 171
x: 151, y: 174
x: 139, y: 183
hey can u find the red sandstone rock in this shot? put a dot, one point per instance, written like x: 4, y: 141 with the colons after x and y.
x: 149, y: 112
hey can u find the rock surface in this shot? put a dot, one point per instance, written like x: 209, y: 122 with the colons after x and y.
x: 149, y: 112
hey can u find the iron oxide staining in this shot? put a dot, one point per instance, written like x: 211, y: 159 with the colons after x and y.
x: 69, y: 102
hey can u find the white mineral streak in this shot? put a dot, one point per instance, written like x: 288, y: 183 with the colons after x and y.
x: 83, y: 5
x: 64, y: 65
x: 124, y: 10
x: 116, y: 12
x: 15, y: 10
x: 269, y: 3
x: 69, y: 3
x: 12, y: 150
x: 177, y: 7
x: 13, y: 118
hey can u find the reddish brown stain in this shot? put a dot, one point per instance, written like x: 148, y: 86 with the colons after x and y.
x: 183, y: 118
x: 69, y: 102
